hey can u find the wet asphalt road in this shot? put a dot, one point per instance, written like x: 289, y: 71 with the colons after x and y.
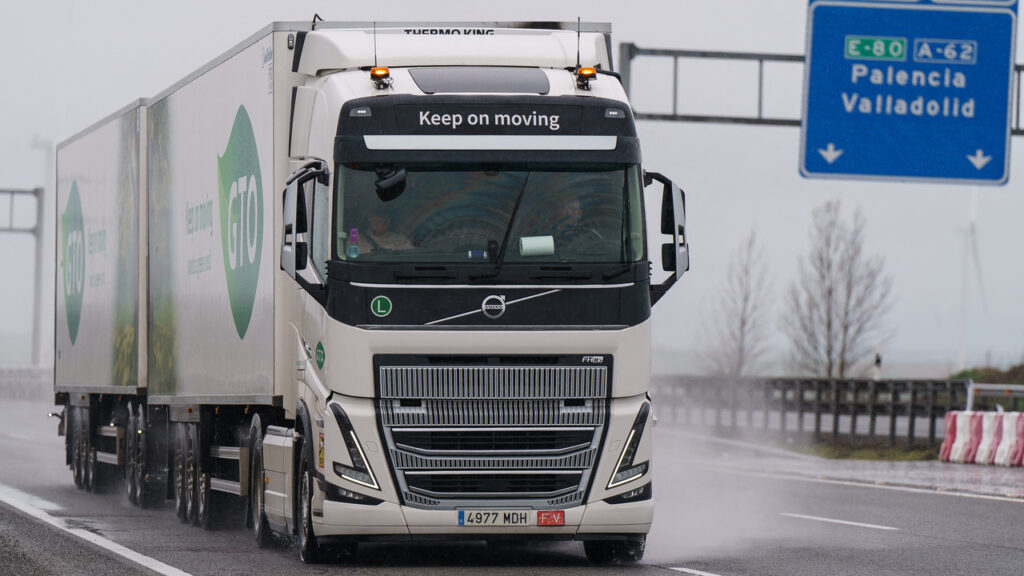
x: 721, y: 509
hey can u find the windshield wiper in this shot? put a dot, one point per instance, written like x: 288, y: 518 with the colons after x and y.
x: 508, y: 232
x: 617, y: 272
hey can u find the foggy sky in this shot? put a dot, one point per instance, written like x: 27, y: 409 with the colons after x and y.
x: 66, y: 65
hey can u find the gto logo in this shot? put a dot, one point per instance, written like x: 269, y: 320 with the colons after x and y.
x: 73, y: 251
x: 493, y: 307
x: 241, y: 218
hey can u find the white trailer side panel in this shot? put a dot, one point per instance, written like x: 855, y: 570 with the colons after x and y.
x: 97, y: 316
x: 211, y: 206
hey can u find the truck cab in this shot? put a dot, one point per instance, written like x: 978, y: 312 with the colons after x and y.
x: 465, y: 228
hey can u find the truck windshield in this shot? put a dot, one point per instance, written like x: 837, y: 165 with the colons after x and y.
x: 492, y: 214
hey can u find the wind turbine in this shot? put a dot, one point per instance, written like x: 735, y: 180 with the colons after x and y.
x: 970, y: 252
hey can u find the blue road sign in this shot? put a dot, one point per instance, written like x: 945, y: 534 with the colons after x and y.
x: 909, y: 90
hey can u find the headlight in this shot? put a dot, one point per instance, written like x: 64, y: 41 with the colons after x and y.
x: 359, y: 472
x: 625, y: 470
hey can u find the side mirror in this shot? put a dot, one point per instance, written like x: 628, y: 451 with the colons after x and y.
x: 675, y: 255
x: 295, y: 218
x: 390, y: 182
x: 289, y: 233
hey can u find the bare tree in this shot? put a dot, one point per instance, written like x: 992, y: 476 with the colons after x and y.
x: 835, y: 310
x: 739, y: 329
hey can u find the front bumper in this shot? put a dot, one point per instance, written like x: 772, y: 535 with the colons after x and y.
x: 395, y: 522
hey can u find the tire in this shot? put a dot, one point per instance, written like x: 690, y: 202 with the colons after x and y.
x: 87, y: 451
x: 180, y: 482
x: 74, y: 430
x: 256, y: 519
x: 615, y: 552
x: 191, y: 473
x: 146, y: 493
x: 309, y: 549
x: 131, y: 460
x: 206, y: 509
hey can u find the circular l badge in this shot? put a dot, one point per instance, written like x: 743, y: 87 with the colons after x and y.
x: 381, y: 306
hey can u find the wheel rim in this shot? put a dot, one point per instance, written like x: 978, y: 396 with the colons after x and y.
x: 190, y: 477
x: 90, y: 465
x: 204, y: 494
x: 257, y: 495
x: 306, y: 521
x: 129, y: 483
x: 139, y: 463
x: 179, y: 482
x: 76, y: 458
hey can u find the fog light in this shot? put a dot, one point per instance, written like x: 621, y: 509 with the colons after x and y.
x: 635, y: 495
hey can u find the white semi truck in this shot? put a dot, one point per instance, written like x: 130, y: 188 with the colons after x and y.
x: 377, y: 282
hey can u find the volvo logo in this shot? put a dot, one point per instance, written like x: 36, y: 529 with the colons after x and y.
x: 493, y: 307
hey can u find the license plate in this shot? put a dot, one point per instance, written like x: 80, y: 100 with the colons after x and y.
x: 495, y: 518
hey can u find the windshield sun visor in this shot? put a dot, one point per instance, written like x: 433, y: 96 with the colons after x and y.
x: 480, y: 129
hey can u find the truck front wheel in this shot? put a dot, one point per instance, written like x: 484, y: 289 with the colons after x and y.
x: 309, y: 550
x: 257, y: 508
x: 615, y: 552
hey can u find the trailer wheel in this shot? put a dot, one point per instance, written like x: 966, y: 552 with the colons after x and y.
x: 130, y: 461
x: 309, y: 549
x: 145, y: 492
x: 204, y: 497
x: 180, y: 498
x: 257, y: 517
x: 191, y: 472
x: 620, y: 552
x: 75, y: 431
x: 88, y: 455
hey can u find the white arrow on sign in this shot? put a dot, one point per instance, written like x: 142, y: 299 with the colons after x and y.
x: 979, y: 159
x: 830, y: 154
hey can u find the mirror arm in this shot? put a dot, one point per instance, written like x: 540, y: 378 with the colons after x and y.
x: 659, y: 290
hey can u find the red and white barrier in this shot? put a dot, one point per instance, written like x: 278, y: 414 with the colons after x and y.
x: 991, y: 436
x: 968, y: 437
x: 950, y: 437
x: 987, y: 438
x: 1017, y: 458
x: 1009, y: 442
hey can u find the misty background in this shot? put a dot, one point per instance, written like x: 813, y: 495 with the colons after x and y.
x: 67, y: 64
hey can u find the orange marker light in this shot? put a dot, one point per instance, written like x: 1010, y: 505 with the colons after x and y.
x: 584, y: 76
x: 381, y: 77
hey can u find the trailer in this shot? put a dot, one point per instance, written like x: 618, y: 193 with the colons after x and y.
x: 374, y: 282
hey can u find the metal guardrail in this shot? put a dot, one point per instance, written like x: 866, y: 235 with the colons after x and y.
x: 26, y: 383
x: 629, y: 51
x: 758, y: 403
x: 992, y: 391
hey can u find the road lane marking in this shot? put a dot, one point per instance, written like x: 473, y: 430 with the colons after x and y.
x: 10, y: 497
x: 834, y: 521
x: 693, y: 572
x: 879, y: 485
x: 6, y: 492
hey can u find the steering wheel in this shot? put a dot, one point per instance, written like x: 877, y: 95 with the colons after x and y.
x: 578, y: 233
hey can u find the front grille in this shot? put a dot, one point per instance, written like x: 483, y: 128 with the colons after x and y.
x: 484, y: 441
x: 518, y: 412
x: 499, y: 382
x: 492, y: 431
x: 491, y: 485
